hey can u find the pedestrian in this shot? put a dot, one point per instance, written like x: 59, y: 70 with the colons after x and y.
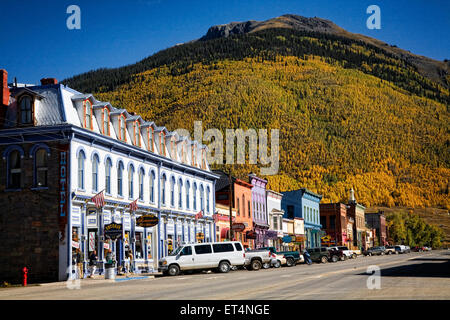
x: 92, y: 263
x: 80, y: 263
x: 130, y: 261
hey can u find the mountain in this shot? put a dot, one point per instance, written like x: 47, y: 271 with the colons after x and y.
x: 438, y: 71
x: 352, y: 111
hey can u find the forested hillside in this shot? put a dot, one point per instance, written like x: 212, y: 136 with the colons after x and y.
x: 350, y: 114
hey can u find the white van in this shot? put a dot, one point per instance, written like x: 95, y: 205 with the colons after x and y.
x: 209, y: 255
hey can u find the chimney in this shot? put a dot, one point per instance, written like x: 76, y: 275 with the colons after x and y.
x: 46, y: 81
x: 5, y: 89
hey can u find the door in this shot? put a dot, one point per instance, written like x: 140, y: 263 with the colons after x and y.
x: 185, y: 258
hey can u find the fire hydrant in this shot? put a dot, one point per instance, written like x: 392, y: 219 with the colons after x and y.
x: 25, y: 276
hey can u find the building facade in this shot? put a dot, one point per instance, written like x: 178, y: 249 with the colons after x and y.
x: 304, y: 204
x: 260, y: 217
x: 275, y: 214
x: 222, y: 219
x: 377, y: 221
x: 241, y: 195
x: 357, y: 212
x: 333, y: 218
x: 60, y: 148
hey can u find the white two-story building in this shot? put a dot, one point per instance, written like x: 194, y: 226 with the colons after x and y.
x: 91, y: 147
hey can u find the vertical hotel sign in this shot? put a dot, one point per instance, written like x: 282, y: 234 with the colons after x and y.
x: 63, y: 189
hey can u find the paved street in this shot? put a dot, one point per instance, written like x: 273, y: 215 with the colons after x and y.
x: 407, y: 276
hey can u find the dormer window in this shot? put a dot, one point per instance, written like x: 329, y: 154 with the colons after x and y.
x: 26, y: 110
x: 162, y: 145
x: 193, y: 155
x: 150, y: 139
x: 88, y: 115
x: 122, y: 128
x: 105, y: 122
x: 137, y: 134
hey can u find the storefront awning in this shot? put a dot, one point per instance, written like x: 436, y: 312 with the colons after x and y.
x: 224, y: 233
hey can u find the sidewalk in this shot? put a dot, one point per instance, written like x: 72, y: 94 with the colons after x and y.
x: 97, y: 279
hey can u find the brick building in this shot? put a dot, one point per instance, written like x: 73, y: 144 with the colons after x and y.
x: 334, y: 221
x: 377, y: 221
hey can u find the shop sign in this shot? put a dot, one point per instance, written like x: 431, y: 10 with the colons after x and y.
x: 113, y: 231
x: 91, y: 241
x: 251, y: 234
x: 147, y: 221
x: 106, y: 245
x: 63, y: 190
x: 238, y: 227
x: 270, y: 235
x: 299, y: 238
x: 75, y: 244
x: 200, y: 236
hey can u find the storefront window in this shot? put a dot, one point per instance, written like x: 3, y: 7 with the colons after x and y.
x: 139, y: 245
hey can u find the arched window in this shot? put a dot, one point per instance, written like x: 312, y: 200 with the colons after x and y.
x: 141, y: 184
x: 41, y: 167
x: 108, y: 166
x: 120, y: 179
x: 26, y: 110
x: 188, y: 190
x: 172, y: 192
x: 81, y: 160
x: 130, y: 181
x: 95, y: 162
x: 15, y: 170
x: 180, y: 193
x: 195, y: 196
x: 152, y: 186
x: 202, y: 198
x: 243, y: 205
x: 163, y: 189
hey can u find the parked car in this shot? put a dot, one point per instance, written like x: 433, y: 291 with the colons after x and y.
x: 277, y: 261
x: 319, y: 254
x: 426, y: 248
x: 256, y: 259
x: 220, y: 256
x: 390, y: 250
x: 292, y: 257
x: 400, y: 248
x: 336, y: 254
x: 348, y: 254
x: 375, y: 251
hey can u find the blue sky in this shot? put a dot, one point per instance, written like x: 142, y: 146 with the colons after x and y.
x: 36, y: 43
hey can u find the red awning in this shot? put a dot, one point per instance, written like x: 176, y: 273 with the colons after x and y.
x: 224, y: 233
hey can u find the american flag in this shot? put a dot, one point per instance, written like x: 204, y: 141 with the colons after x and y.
x: 133, y: 205
x: 199, y: 215
x: 98, y: 199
